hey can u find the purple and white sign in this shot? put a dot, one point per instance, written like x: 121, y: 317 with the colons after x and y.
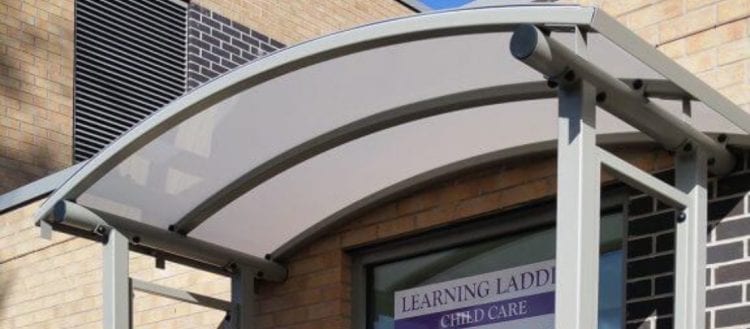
x: 517, y: 298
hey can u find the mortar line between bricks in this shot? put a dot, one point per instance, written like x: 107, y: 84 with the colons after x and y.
x: 651, y: 255
x: 726, y: 241
x: 649, y: 298
x: 726, y: 306
x: 727, y: 284
x: 654, y: 235
x: 649, y: 277
x: 35, y: 251
x: 714, y: 26
x: 652, y: 317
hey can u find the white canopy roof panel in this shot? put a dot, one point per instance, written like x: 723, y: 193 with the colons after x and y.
x: 266, y: 156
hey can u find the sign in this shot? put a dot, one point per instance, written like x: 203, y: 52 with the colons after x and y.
x: 517, y: 298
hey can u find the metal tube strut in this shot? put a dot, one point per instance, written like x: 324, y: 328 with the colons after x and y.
x: 642, y: 180
x: 559, y: 63
x: 180, y: 295
x: 70, y: 213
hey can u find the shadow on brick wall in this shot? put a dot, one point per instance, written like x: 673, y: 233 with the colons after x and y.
x: 651, y: 247
x: 24, y: 52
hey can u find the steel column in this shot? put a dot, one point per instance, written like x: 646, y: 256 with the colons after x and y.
x: 116, y: 282
x: 578, y: 198
x: 243, y: 299
x: 690, y: 248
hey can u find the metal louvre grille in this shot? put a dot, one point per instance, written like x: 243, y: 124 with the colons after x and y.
x: 130, y: 61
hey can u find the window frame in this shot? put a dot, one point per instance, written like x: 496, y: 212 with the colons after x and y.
x: 537, y: 215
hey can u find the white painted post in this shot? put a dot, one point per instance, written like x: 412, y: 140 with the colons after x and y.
x: 578, y: 199
x: 116, y: 282
x: 690, y: 241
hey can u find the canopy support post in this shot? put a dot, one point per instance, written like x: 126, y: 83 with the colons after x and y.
x: 116, y: 282
x: 243, y: 299
x: 690, y: 239
x: 578, y: 170
x: 561, y: 64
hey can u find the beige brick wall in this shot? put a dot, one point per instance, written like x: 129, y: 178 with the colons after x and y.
x: 36, y: 88
x: 710, y: 38
x: 295, y: 21
x: 57, y: 284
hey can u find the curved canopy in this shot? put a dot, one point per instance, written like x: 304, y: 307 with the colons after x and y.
x: 265, y: 157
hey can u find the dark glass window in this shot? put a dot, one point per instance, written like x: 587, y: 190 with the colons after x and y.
x: 384, y: 280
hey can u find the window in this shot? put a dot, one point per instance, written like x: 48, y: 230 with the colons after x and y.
x: 388, y: 279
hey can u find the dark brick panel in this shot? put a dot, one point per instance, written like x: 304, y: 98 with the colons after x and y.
x: 733, y: 229
x: 665, y: 242
x: 217, y: 44
x: 733, y: 316
x: 664, y: 285
x: 724, y: 296
x: 640, y: 247
x: 651, y: 256
x: 651, y: 266
x: 725, y: 252
x: 640, y: 206
x: 642, y: 309
x: 725, y: 208
x: 732, y: 273
x: 639, y: 289
x: 733, y: 184
x: 652, y: 224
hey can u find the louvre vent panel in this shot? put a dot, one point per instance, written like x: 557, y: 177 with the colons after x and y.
x: 130, y: 61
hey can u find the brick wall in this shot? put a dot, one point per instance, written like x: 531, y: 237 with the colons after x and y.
x: 57, y: 284
x: 36, y: 84
x: 217, y: 44
x: 651, y: 256
x: 292, y: 22
x: 711, y: 38
x: 317, y: 293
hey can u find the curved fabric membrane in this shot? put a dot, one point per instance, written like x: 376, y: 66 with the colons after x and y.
x: 165, y: 180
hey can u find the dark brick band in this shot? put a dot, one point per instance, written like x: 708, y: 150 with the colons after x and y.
x: 217, y: 44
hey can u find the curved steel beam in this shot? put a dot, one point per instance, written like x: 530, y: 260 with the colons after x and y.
x: 353, y: 130
x: 424, y: 179
x: 377, y: 122
x: 77, y: 216
x: 402, y: 188
x: 372, y: 36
